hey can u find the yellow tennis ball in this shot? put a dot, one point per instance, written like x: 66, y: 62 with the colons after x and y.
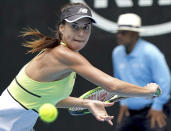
x: 48, y: 113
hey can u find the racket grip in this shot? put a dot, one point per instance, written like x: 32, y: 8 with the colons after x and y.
x: 158, y: 92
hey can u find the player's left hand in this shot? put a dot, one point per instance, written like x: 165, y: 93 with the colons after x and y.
x: 97, y: 108
x: 157, y: 117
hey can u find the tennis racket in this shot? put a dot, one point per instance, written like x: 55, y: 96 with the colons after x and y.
x: 101, y: 95
x: 95, y: 94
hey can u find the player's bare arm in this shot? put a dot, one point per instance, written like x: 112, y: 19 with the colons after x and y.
x: 76, y: 62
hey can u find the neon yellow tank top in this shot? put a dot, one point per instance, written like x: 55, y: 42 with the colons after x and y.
x: 32, y: 94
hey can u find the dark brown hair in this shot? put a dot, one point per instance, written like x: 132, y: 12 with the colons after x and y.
x: 42, y: 41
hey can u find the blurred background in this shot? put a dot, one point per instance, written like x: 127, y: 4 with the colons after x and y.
x: 42, y: 14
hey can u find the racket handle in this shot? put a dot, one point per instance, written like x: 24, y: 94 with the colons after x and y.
x: 158, y: 92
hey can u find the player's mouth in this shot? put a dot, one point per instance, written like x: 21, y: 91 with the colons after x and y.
x: 80, y: 41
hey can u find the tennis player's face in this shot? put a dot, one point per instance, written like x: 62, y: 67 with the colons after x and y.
x: 126, y: 37
x: 76, y: 34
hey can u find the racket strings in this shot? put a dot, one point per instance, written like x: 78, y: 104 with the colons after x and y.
x: 100, y: 94
x: 95, y: 94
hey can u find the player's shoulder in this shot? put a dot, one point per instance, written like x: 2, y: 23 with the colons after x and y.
x: 66, y: 55
x: 61, y: 52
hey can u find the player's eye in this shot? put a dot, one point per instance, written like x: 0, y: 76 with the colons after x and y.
x: 86, y: 27
x: 75, y: 27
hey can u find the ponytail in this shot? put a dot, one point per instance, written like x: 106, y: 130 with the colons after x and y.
x: 42, y: 41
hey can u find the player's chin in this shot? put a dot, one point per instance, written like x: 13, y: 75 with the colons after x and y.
x: 78, y: 46
x: 76, y: 49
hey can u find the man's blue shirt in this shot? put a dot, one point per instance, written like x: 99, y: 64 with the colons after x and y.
x: 145, y: 64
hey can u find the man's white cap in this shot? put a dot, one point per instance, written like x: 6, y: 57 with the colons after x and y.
x: 129, y: 22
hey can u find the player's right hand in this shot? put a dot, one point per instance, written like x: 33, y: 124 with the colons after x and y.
x: 155, y: 89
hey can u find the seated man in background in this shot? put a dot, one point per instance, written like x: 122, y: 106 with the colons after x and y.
x: 139, y: 62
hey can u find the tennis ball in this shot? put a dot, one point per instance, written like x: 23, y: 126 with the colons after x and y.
x: 48, y: 113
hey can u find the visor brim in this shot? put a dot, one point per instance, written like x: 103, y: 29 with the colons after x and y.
x: 77, y: 17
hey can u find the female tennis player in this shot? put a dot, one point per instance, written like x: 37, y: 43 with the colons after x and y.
x: 49, y: 77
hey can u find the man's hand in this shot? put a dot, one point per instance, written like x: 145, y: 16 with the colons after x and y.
x: 123, y: 112
x: 157, y: 117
